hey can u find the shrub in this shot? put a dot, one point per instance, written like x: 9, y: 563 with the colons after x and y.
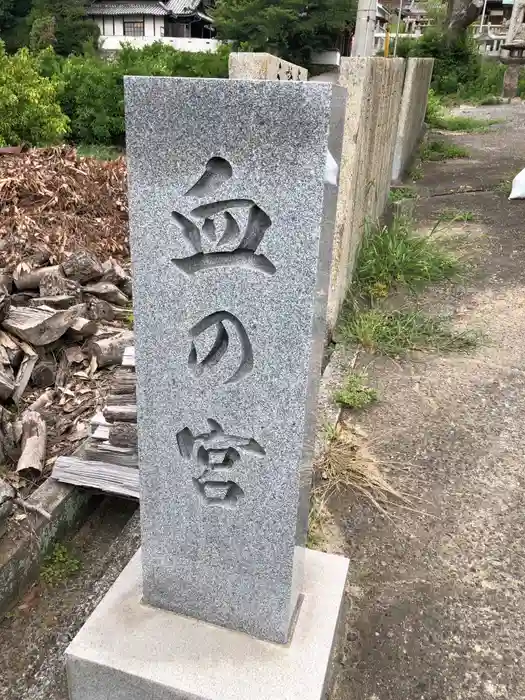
x: 93, y: 89
x: 521, y: 85
x: 459, y: 69
x: 29, y: 104
x: 93, y: 99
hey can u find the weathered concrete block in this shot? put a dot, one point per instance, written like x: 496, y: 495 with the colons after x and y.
x: 412, y: 113
x: 231, y: 230
x: 130, y: 651
x: 263, y: 66
x: 374, y: 88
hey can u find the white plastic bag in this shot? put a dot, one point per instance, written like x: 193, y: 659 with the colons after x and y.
x: 518, y: 186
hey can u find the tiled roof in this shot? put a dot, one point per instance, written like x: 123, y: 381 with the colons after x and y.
x: 182, y: 7
x: 127, y: 8
x: 177, y: 7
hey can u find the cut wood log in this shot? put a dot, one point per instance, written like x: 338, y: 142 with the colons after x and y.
x: 117, y: 414
x: 10, y: 436
x: 32, y: 278
x: 124, y: 382
x: 22, y: 298
x: 82, y: 328
x: 41, y: 326
x: 114, y: 273
x: 107, y: 292
x: 55, y: 284
x: 33, y: 454
x: 123, y: 434
x: 103, y: 451
x: 127, y: 288
x: 43, y: 401
x: 99, y: 310
x: 109, y: 351
x: 24, y: 371
x: 62, y: 301
x: 44, y: 373
x: 7, y: 377
x: 82, y: 267
x: 6, y: 280
x: 129, y: 357
x: 13, y: 349
x: 121, y: 399
x: 5, y: 303
x: 7, y: 494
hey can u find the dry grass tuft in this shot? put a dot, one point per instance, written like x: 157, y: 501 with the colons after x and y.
x: 346, y: 466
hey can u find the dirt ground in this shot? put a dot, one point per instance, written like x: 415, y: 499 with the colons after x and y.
x: 437, y: 600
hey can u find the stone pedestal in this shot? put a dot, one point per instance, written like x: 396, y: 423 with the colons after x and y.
x: 130, y: 651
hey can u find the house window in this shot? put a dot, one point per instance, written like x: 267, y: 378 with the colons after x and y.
x: 133, y: 27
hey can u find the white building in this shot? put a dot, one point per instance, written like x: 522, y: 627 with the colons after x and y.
x: 184, y: 24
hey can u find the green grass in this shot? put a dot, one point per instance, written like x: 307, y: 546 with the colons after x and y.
x: 98, y: 152
x: 397, y: 194
x: 416, y: 172
x: 439, y: 150
x: 492, y: 100
x: 356, y: 393
x: 504, y: 186
x: 59, y: 566
x: 450, y: 122
x: 396, y: 332
x: 455, y: 215
x: 395, y: 255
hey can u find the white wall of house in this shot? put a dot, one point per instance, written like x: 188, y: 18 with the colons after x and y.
x: 113, y: 43
x: 113, y: 25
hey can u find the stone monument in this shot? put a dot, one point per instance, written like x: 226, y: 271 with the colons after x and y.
x: 514, y: 48
x: 232, y: 209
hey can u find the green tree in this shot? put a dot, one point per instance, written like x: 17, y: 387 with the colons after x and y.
x: 28, y: 102
x: 73, y: 28
x: 292, y: 29
x: 14, y: 28
x: 43, y: 33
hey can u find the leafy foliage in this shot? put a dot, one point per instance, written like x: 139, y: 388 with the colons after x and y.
x: 459, y: 69
x: 28, y: 102
x: 92, y: 94
x: 289, y: 28
x: 59, y: 566
x: 356, y: 393
x: 62, y: 24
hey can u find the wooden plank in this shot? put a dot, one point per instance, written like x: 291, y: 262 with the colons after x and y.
x: 103, y: 476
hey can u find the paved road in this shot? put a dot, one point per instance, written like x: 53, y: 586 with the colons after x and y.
x: 437, y: 603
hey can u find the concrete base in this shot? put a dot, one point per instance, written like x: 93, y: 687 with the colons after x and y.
x: 129, y: 651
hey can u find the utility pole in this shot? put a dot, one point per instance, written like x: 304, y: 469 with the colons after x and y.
x: 363, y: 43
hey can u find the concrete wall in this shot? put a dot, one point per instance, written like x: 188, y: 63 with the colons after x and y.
x: 412, y: 114
x: 374, y: 87
x: 264, y: 66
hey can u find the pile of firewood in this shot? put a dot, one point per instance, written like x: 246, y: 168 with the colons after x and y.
x: 59, y: 323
